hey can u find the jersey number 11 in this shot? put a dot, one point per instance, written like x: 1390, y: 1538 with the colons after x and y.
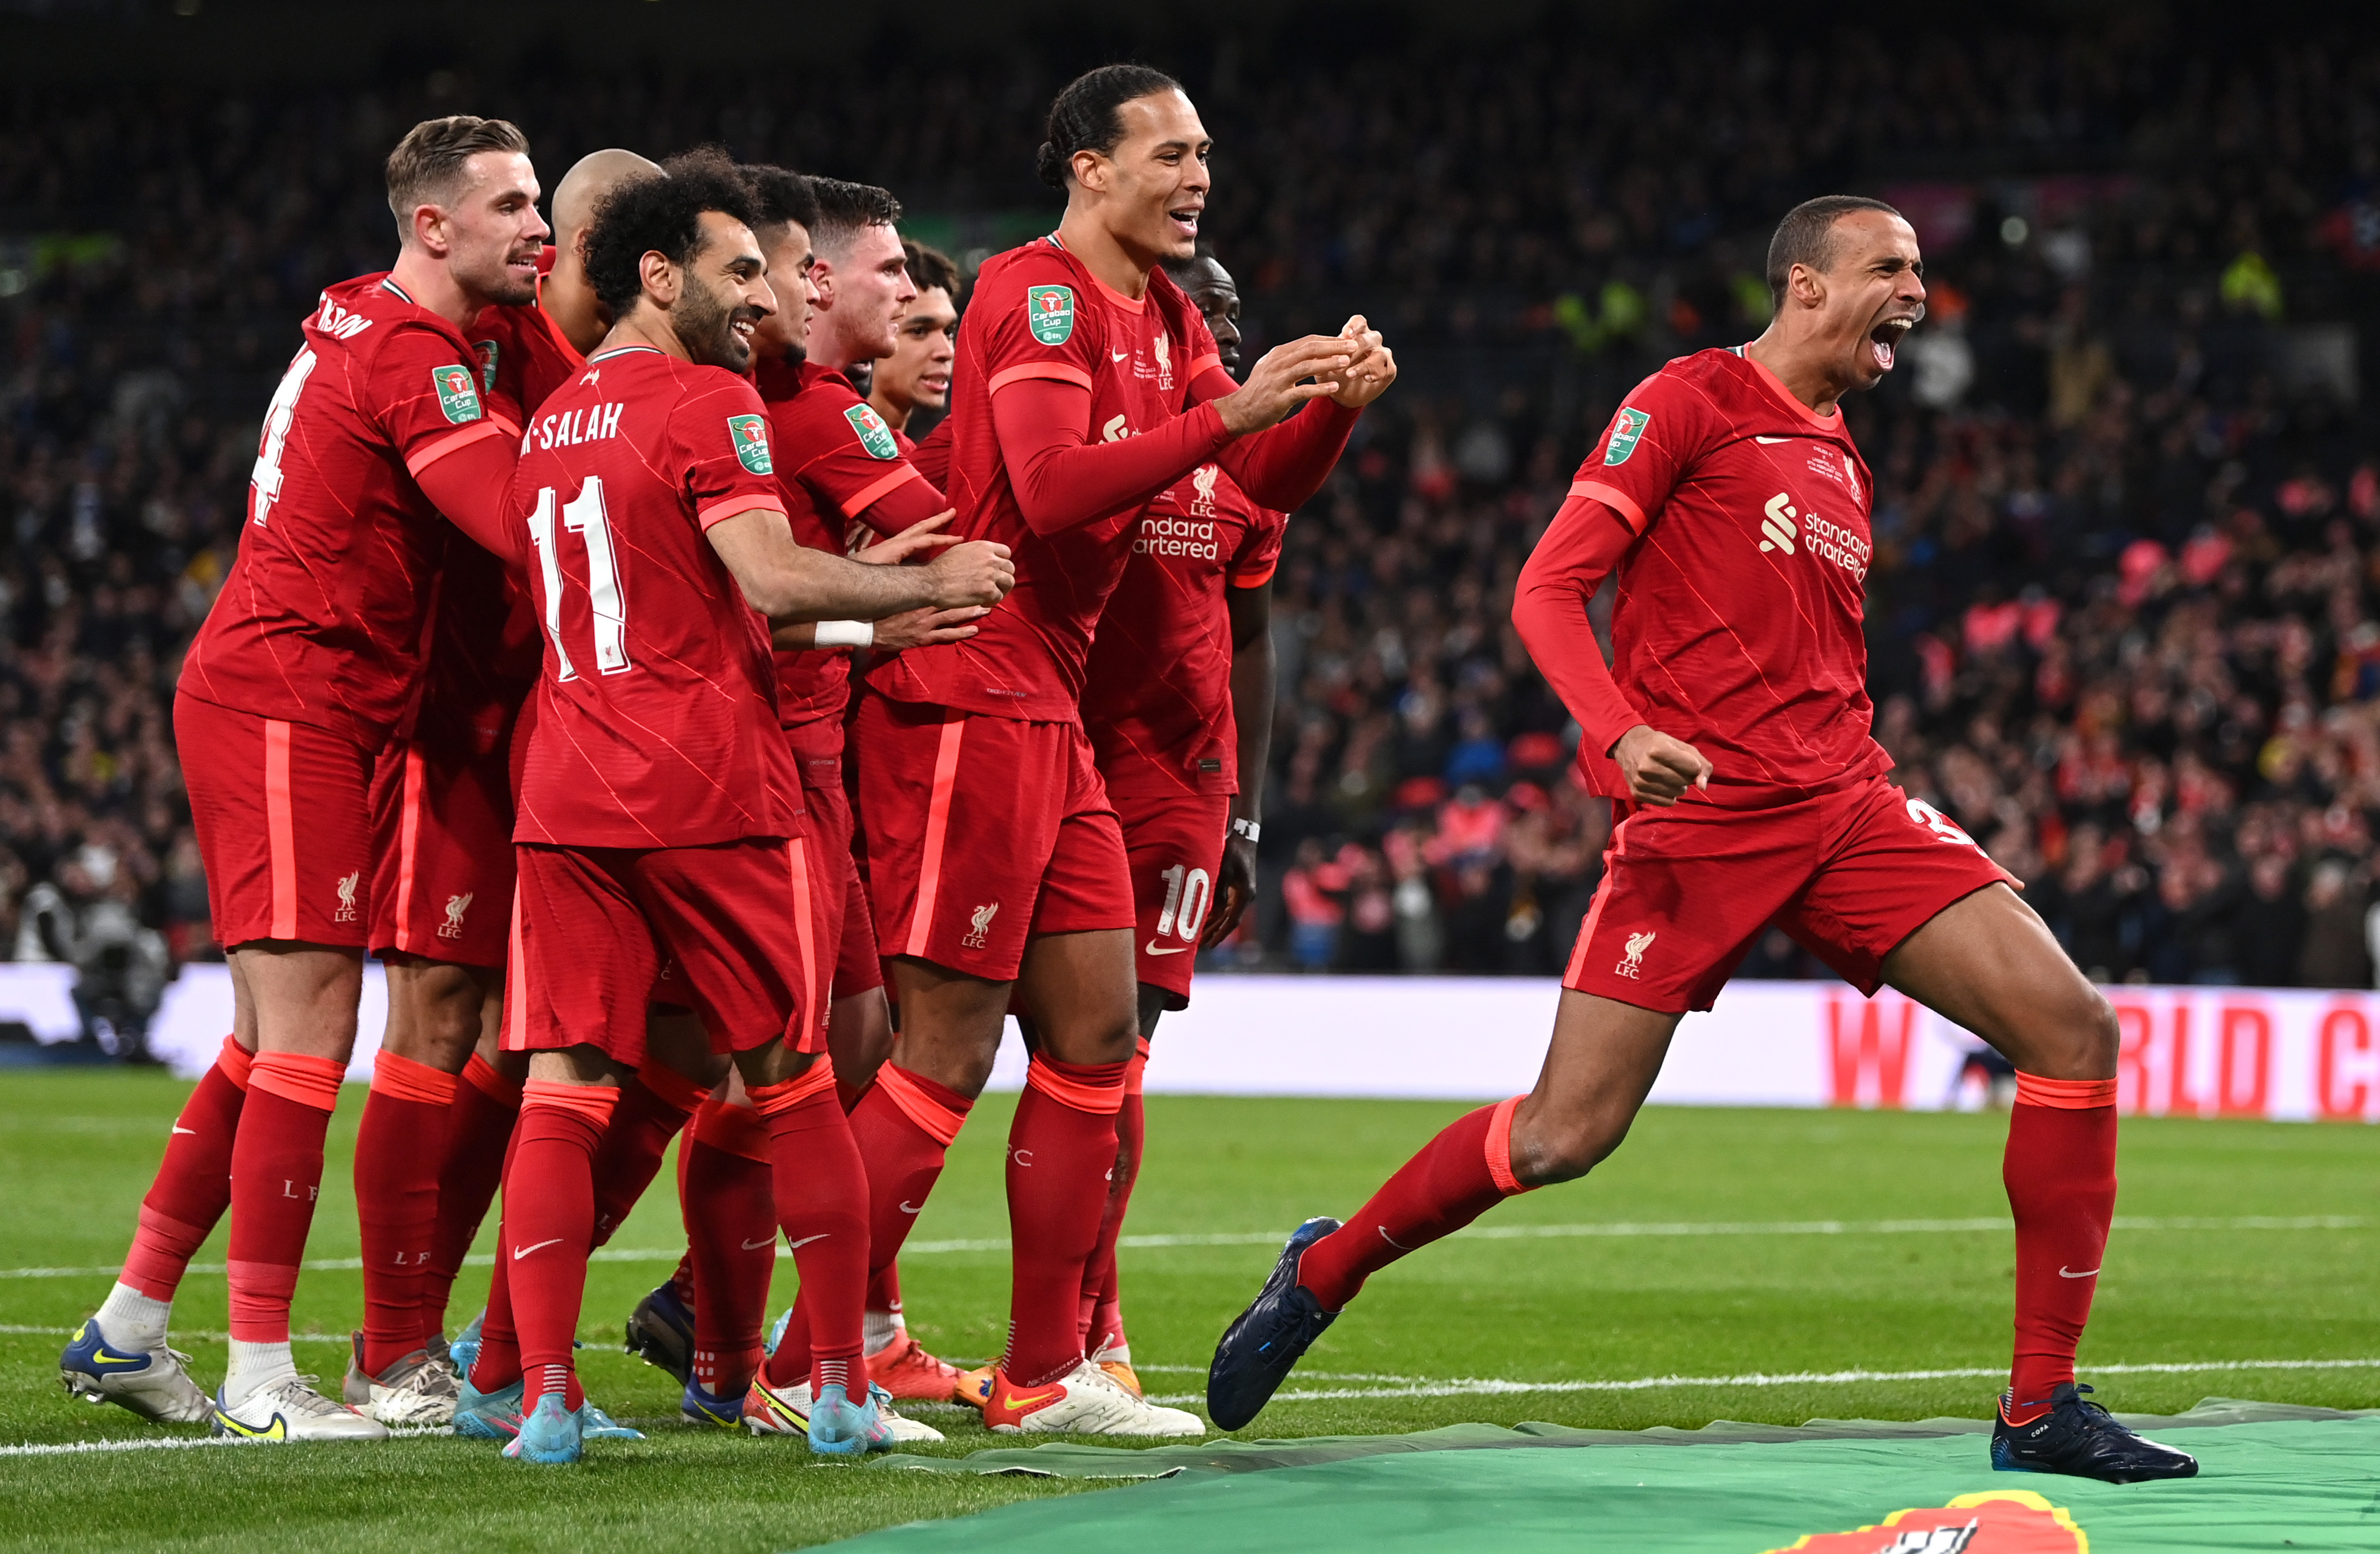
x: 582, y: 515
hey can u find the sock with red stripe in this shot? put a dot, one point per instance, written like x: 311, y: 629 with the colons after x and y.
x: 190, y: 1194
x: 479, y: 1135
x: 653, y: 1109
x: 1458, y: 1176
x: 1061, y: 1148
x: 1103, y: 1290
x: 2060, y: 1174
x: 821, y: 1194
x: 400, y: 1146
x: 904, y: 1125
x: 550, y: 1228
x: 731, y: 1236
x: 276, y: 1174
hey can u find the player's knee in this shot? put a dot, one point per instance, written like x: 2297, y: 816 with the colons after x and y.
x: 2100, y: 1035
x: 1563, y: 1149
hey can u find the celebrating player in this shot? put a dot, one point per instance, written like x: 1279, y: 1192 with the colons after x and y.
x: 995, y: 866
x: 1735, y: 745
x: 917, y: 376
x: 660, y: 810
x: 301, y: 671
x: 1178, y: 707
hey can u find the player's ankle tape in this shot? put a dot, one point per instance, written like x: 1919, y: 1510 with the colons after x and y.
x: 594, y: 1102
x: 672, y: 1088
x: 931, y: 1111
x: 775, y: 1100
x: 2065, y: 1095
x: 299, y: 1077
x: 1094, y: 1088
x: 234, y: 1061
x: 403, y: 1078
x: 485, y: 1078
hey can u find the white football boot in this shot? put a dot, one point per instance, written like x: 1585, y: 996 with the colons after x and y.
x: 417, y: 1390
x: 1085, y: 1401
x: 290, y: 1409
x: 152, y: 1382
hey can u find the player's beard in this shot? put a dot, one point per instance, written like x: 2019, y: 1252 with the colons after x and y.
x: 495, y: 281
x: 707, y: 329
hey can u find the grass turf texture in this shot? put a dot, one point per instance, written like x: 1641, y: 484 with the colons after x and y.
x: 76, y: 1150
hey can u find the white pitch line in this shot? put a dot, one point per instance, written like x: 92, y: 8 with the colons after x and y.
x: 1481, y: 1233
x: 1490, y: 1387
x: 181, y: 1443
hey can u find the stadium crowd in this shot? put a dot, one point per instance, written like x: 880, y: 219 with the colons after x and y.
x: 2121, y: 612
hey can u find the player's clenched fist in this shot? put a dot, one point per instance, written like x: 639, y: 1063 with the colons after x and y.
x: 1659, y: 768
x: 1287, y: 377
x: 978, y: 572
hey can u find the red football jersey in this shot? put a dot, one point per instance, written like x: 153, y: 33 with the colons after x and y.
x: 836, y: 459
x: 1737, y: 622
x: 323, y: 618
x: 1037, y: 312
x: 485, y: 649
x: 1157, y: 702
x: 655, y: 722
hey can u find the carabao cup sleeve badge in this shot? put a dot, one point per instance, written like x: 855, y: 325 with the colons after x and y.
x: 1051, y: 311
x: 749, y: 434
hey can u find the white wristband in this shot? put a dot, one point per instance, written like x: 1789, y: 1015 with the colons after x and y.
x: 847, y: 633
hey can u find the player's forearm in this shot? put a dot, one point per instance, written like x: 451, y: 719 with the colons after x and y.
x: 1253, y: 669
x: 1062, y: 479
x: 811, y: 586
x: 1579, y: 550
x: 1282, y: 467
x: 471, y: 486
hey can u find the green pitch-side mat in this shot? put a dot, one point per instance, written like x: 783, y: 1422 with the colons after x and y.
x: 2270, y: 1476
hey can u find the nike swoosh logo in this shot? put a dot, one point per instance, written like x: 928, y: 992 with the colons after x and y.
x: 1153, y: 948
x: 1119, y: 355
x: 756, y: 1245
x: 192, y: 1132
x: 520, y: 1252
x: 804, y: 1241
x: 908, y: 1207
x: 1023, y: 1400
x: 1767, y: 440
x: 2063, y: 1273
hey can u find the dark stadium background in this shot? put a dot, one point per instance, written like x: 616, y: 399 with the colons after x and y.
x: 2127, y: 517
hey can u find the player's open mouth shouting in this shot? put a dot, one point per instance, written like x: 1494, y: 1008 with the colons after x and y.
x: 1884, y: 338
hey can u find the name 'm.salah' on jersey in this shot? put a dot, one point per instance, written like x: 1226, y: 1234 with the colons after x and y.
x: 484, y: 645
x: 836, y: 459
x: 1038, y: 312
x: 655, y: 722
x: 1156, y: 706
x: 1737, y: 624
x: 322, y: 618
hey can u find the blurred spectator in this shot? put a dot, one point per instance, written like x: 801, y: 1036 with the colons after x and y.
x: 86, y: 919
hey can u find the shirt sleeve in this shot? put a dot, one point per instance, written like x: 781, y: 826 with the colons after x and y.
x: 726, y: 465
x: 1657, y: 435
x: 849, y: 460
x: 426, y: 396
x: 1585, y: 540
x: 1258, y: 555
x: 1039, y: 326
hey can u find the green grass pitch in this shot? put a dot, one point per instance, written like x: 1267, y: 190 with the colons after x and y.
x: 1694, y: 1253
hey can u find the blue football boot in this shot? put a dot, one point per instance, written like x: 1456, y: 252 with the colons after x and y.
x: 549, y: 1434
x: 487, y: 1415
x: 1257, y: 1351
x: 153, y: 1383
x: 702, y: 1406
x: 2084, y: 1439
x: 466, y: 1347
x: 838, y: 1427
x: 661, y: 1333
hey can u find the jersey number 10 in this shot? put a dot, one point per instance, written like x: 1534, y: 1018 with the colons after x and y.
x: 583, y: 514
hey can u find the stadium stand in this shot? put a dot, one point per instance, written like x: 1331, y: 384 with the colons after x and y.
x: 2122, y: 613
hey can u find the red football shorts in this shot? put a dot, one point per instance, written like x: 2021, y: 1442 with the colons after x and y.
x: 983, y: 832
x: 591, y: 926
x: 268, y: 875
x: 834, y: 873
x: 442, y: 845
x: 1174, y: 845
x: 1847, y: 874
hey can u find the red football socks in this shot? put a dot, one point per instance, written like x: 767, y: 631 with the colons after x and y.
x: 550, y: 1228
x: 1061, y: 1148
x: 653, y: 1109
x: 1103, y: 1290
x: 730, y: 1190
x: 276, y: 1173
x: 399, y: 1147
x: 193, y: 1185
x: 2060, y: 1174
x: 479, y: 1135
x: 902, y: 1127
x: 1458, y: 1176
x: 821, y: 1196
